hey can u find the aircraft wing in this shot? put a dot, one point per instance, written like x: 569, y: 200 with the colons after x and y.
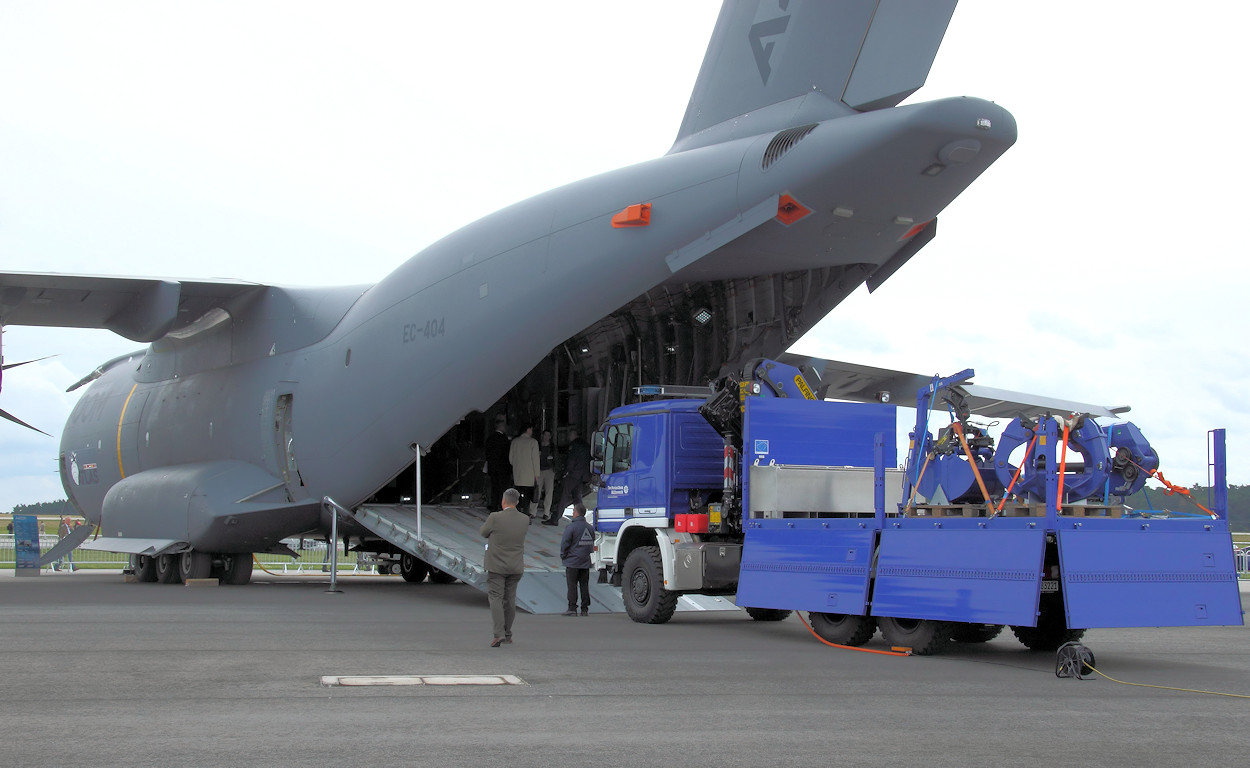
x: 137, y: 308
x: 863, y: 383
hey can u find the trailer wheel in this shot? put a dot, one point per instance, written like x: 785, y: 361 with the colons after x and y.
x: 843, y: 628
x: 768, y: 614
x: 441, y: 577
x: 646, y: 599
x: 976, y: 633
x: 413, y: 569
x: 925, y: 637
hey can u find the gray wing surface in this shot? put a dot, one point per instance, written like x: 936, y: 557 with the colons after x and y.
x: 136, y: 308
x: 864, y: 383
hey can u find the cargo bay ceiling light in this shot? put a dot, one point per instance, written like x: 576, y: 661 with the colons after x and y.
x: 702, y: 315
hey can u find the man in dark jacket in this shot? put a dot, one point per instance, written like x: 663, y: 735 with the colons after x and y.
x: 498, y: 468
x: 576, y: 545
x: 576, y: 474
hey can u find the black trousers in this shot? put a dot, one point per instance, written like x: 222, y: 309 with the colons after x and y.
x: 578, y: 578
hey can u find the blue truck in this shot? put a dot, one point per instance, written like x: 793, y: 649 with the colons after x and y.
x: 792, y: 502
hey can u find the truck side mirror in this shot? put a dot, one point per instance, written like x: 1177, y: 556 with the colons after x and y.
x: 596, y: 467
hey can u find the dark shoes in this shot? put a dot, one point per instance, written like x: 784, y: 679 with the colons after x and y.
x: 551, y: 522
x: 569, y: 613
x: 585, y: 612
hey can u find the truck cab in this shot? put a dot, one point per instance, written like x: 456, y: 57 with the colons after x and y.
x: 674, y: 493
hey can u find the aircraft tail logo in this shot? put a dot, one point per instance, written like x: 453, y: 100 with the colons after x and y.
x: 763, y: 52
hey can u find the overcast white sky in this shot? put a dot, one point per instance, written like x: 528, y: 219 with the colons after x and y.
x: 317, y: 143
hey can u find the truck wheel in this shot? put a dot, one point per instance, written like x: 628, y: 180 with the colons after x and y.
x: 843, y: 628
x: 412, y: 568
x: 646, y: 599
x: 925, y: 637
x: 1050, y: 633
x: 768, y: 614
x: 976, y: 633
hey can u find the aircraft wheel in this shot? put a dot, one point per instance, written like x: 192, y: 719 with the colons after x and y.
x: 976, y: 633
x: 413, y: 569
x: 167, y: 570
x: 925, y: 637
x: 194, y: 565
x: 236, y: 568
x: 441, y: 577
x: 768, y: 614
x: 646, y: 599
x: 144, y: 568
x: 843, y: 628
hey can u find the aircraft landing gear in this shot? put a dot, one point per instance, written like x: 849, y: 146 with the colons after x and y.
x: 144, y: 568
x: 236, y: 568
x: 167, y: 569
x: 194, y: 565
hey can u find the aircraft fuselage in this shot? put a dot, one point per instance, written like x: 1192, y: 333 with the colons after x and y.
x: 297, y: 394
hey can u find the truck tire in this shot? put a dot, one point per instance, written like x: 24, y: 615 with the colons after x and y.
x: 768, y: 614
x: 1047, y: 635
x: 413, y: 569
x: 925, y: 637
x: 976, y: 633
x: 843, y: 628
x: 642, y: 588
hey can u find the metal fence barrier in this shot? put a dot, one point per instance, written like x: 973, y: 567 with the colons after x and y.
x: 313, y: 558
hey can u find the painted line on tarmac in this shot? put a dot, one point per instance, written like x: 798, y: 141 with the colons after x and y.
x: 360, y: 680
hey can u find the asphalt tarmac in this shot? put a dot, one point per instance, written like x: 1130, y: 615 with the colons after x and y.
x: 96, y: 672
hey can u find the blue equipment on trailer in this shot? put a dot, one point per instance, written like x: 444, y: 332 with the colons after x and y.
x: 784, y: 500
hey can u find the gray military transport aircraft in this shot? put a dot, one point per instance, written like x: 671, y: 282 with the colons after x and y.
x: 794, y: 179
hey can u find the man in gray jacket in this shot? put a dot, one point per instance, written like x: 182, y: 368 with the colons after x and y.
x: 504, y: 532
x: 576, y: 545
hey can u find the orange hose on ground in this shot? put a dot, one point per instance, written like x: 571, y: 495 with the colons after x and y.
x: 848, y: 647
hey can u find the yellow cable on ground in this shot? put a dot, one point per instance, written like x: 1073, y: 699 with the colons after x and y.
x: 1168, y: 688
x: 263, y: 568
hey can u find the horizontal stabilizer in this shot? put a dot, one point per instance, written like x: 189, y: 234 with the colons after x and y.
x: 864, y: 383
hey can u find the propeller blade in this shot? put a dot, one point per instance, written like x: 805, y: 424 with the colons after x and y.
x: 7, y: 366
x: 16, y: 420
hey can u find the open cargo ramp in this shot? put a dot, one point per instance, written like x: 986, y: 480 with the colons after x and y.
x: 448, y: 538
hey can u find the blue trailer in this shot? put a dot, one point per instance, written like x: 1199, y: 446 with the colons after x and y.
x: 794, y: 503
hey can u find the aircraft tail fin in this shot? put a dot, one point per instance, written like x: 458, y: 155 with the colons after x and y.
x: 775, y: 64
